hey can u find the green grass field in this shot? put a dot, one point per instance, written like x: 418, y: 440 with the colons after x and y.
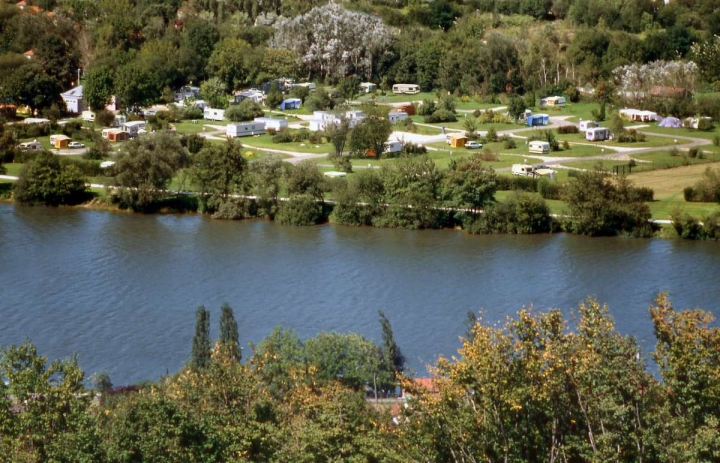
x: 683, y: 132
x: 392, y: 98
x: 265, y: 141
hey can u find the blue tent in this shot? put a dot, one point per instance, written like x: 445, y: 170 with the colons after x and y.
x: 537, y: 119
x: 291, y: 103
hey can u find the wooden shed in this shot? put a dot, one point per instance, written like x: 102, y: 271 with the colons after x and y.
x: 408, y: 108
x: 116, y: 135
x: 458, y: 140
x: 60, y: 141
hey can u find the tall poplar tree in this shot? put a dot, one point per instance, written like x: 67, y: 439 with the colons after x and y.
x: 393, y: 358
x: 229, y: 337
x: 200, y: 357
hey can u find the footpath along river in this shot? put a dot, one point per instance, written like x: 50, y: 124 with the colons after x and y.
x: 121, y: 289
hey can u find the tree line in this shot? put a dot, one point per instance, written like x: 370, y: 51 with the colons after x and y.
x: 537, y: 388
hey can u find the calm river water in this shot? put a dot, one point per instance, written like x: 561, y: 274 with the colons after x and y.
x: 121, y: 289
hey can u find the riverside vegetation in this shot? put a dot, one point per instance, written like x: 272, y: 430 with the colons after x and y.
x: 534, y: 389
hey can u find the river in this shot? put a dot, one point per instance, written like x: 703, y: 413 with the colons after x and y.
x: 121, y: 289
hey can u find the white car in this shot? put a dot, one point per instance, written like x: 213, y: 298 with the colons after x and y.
x: 473, y: 145
x: 75, y: 144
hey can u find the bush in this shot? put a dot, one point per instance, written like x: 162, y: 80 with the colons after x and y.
x: 692, y: 152
x: 47, y: 181
x: 491, y: 136
x: 686, y: 226
x: 283, y: 136
x: 516, y: 183
x: 411, y: 149
x: 509, y: 144
x: 568, y: 129
x: 708, y: 188
x: 548, y: 189
x: 689, y: 194
x: 705, y: 124
x: 566, y: 145
x: 192, y: 113
x: 247, y: 110
x: 520, y: 213
x: 93, y: 153
x: 488, y: 155
x: 645, y: 194
x: 300, y: 210
x: 315, y: 138
x: 716, y: 140
x: 427, y: 108
x: 302, y: 135
x: 674, y: 151
x: 631, y: 136
x: 234, y: 209
x: 441, y: 115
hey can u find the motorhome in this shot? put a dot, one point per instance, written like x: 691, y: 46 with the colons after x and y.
x: 523, y: 170
x: 30, y: 146
x: 408, y: 89
x: 597, y: 134
x: 539, y: 147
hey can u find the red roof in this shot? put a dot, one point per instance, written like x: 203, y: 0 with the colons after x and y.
x: 29, y: 53
x: 426, y: 383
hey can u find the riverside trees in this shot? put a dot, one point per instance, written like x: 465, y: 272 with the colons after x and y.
x: 47, y: 181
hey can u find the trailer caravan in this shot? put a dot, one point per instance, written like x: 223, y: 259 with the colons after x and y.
x: 585, y: 125
x: 245, y: 129
x: 408, y: 89
x: 539, y: 147
x: 597, y: 134
x: 367, y: 87
x: 553, y: 102
x: 523, y: 170
x: 393, y: 146
x: 214, y: 114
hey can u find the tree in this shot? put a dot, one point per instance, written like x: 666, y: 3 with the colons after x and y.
x: 305, y: 179
x: 370, y: 134
x: 200, y: 354
x: 337, y: 135
x: 234, y: 62
x: 30, y: 85
x: 145, y: 167
x: 516, y: 107
x: 274, y: 97
x: 246, y: 110
x: 229, y: 337
x: 301, y: 92
x: 616, y: 126
x: 265, y: 176
x: 219, y: 171
x: 349, y: 358
x: 468, y: 184
x: 349, y: 87
x: 45, y: 181
x: 98, y: 87
x: 214, y: 91
x: 393, y: 359
x: 470, y: 125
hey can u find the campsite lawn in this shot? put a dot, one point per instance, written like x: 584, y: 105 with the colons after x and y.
x: 683, y: 132
x: 576, y: 111
x: 392, y: 98
x: 265, y: 142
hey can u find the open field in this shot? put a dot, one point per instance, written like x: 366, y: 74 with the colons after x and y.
x: 265, y: 141
x: 392, y: 98
x: 683, y: 132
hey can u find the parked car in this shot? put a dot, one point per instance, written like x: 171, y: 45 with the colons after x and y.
x: 75, y: 144
x: 473, y: 145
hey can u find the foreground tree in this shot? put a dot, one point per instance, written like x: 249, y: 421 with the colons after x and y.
x: 200, y: 354
x: 46, y: 181
x: 98, y: 87
x: 229, y: 338
x: 393, y: 360
x: 219, y: 171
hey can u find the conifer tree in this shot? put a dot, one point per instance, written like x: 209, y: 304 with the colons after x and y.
x: 200, y: 356
x: 393, y: 359
x: 229, y: 337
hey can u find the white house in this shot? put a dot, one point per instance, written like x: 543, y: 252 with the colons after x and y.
x: 396, y: 115
x: 321, y: 119
x: 245, y: 129
x: 73, y: 99
x: 214, y: 114
x: 272, y: 123
x: 133, y: 127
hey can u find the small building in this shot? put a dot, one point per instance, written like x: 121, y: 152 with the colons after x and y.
x: 396, y: 115
x: 115, y: 135
x: 291, y: 103
x: 30, y: 146
x: 322, y: 119
x: 133, y: 127
x: 408, y: 89
x: 272, y: 123
x: 36, y: 120
x: 553, y: 102
x: 59, y: 141
x: 457, y: 140
x: 597, y: 134
x: 88, y: 116
x: 214, y: 114
x: 408, y: 108
x: 73, y: 99
x: 537, y: 119
x: 539, y: 147
x: 245, y: 129
x: 584, y: 125
x: 367, y: 87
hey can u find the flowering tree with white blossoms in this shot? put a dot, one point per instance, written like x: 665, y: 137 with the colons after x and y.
x: 332, y: 42
x: 635, y: 81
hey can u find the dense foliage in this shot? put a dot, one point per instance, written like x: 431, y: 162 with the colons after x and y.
x: 534, y: 389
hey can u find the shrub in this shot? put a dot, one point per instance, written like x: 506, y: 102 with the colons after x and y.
x: 520, y: 213
x: 476, y: 113
x: 631, y: 136
x: 315, y: 138
x: 234, y: 209
x: 427, y: 108
x: 509, y: 144
x: 516, y: 183
x: 488, y: 155
x: 301, y: 135
x: 705, y: 124
x: 441, y: 115
x: 689, y: 193
x: 247, y: 110
x: 674, y: 151
x: 47, y: 181
x: 716, y: 140
x: 192, y: 113
x: 300, y: 210
x: 412, y: 149
x: 708, y: 188
x: 645, y: 194
x: 548, y: 189
x: 568, y: 129
x: 692, y: 152
x: 283, y: 136
x: 491, y: 135
x: 93, y: 153
x: 566, y: 145
x: 686, y: 226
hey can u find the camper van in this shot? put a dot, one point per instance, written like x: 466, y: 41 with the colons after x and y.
x: 393, y: 146
x: 367, y: 87
x: 408, y: 89
x: 30, y: 146
x: 88, y: 116
x: 597, y: 134
x: 553, y: 101
x: 214, y: 114
x: 523, y: 170
x: 539, y: 147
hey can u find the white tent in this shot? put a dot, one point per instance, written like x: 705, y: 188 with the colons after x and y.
x: 670, y: 122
